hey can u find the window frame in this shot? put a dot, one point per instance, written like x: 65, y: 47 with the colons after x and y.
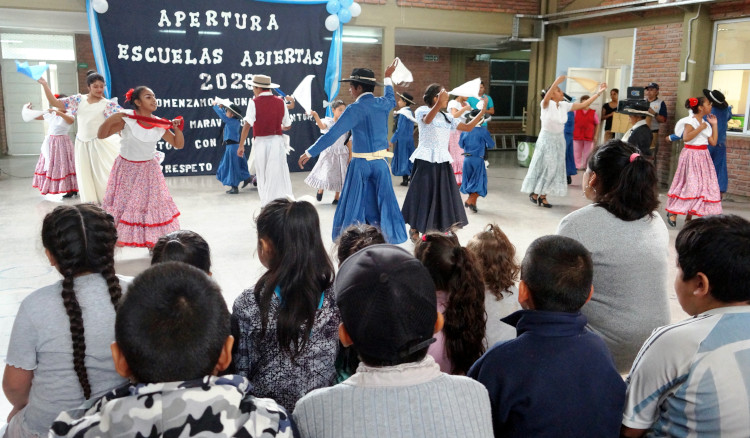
x: 517, y: 113
x: 730, y: 67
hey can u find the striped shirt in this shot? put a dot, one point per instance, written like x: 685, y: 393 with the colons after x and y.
x: 408, y: 400
x: 692, y: 378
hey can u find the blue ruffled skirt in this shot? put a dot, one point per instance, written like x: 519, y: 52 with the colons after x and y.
x: 475, y: 176
x: 368, y: 197
x: 232, y: 169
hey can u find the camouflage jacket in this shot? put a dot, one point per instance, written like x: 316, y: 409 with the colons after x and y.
x: 215, y: 406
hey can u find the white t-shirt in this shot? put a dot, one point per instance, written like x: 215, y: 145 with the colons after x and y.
x: 56, y: 125
x: 702, y: 137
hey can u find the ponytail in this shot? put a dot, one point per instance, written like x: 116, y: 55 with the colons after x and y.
x: 626, y: 181
x: 452, y: 268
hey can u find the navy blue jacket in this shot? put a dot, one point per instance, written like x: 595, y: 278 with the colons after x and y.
x: 556, y: 379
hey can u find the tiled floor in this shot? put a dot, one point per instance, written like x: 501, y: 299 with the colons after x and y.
x: 226, y: 222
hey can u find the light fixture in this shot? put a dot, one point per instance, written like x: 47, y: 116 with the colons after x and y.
x: 172, y: 31
x: 208, y: 32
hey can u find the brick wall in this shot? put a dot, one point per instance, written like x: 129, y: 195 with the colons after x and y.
x: 726, y: 10
x: 84, y: 53
x: 657, y: 59
x: 478, y: 69
x: 507, y: 6
x: 425, y: 72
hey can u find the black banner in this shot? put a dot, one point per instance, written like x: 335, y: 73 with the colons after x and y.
x: 190, y: 51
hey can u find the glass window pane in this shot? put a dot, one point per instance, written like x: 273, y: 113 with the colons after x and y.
x: 522, y: 71
x: 502, y: 97
x: 734, y: 85
x: 519, y: 100
x: 732, y: 43
x: 503, y: 71
x: 36, y: 46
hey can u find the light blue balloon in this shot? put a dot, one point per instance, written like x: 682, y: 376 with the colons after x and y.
x: 344, y: 15
x: 346, y: 3
x: 333, y: 6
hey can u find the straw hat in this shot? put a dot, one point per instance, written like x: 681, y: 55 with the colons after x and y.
x: 263, y: 81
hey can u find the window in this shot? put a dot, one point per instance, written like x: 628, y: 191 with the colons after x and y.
x: 730, y: 69
x: 509, y: 88
x: 35, y: 46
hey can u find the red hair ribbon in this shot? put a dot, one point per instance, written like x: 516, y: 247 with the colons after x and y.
x: 693, y: 101
x: 128, y: 95
x: 57, y: 96
x: 424, y: 238
x: 633, y: 156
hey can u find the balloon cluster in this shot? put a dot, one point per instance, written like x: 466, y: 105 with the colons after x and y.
x: 100, y: 6
x: 341, y: 12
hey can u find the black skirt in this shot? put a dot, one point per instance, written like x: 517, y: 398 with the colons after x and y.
x: 433, y: 202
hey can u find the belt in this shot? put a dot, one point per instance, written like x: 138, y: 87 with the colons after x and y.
x: 654, y: 130
x: 370, y: 156
x: 226, y: 142
x: 697, y: 147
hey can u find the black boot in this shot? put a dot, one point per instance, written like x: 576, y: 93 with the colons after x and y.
x: 405, y: 180
x: 70, y: 195
x: 247, y: 181
x: 235, y: 190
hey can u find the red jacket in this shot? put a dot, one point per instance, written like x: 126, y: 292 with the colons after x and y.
x: 585, y: 125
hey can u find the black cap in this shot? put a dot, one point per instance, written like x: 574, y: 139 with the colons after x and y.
x: 717, y: 98
x: 236, y: 110
x: 652, y: 85
x: 387, y: 302
x: 362, y: 76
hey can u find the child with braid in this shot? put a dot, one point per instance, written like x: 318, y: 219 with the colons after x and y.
x: 460, y: 298
x: 59, y: 351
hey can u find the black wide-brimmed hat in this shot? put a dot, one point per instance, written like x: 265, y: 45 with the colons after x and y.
x: 362, y: 76
x: 716, y: 97
x: 408, y: 98
x: 634, y: 109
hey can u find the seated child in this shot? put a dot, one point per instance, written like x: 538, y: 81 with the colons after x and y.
x: 496, y: 259
x: 183, y: 246
x: 556, y: 379
x: 460, y: 299
x: 173, y: 338
x: 692, y: 376
x: 352, y: 239
x: 388, y: 311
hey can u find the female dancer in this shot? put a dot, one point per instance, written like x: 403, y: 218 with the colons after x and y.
x: 55, y: 171
x: 402, y: 140
x: 58, y: 354
x: 433, y: 201
x: 695, y: 187
x: 93, y: 156
x: 546, y: 173
x: 457, y: 107
x: 137, y: 195
x: 233, y: 169
x: 330, y: 170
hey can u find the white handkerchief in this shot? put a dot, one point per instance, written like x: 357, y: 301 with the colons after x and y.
x: 29, y: 114
x: 401, y: 75
x: 303, y: 93
x: 406, y: 112
x: 469, y: 89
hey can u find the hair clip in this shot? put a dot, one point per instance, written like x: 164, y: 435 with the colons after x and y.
x: 128, y: 95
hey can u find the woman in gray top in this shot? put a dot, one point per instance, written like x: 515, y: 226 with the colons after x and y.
x: 629, y: 247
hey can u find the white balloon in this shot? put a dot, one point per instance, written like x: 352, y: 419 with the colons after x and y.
x: 332, y: 22
x: 100, y: 6
x: 355, y: 9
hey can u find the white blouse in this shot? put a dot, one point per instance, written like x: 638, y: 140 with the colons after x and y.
x: 555, y: 116
x: 434, y: 137
x: 138, y: 142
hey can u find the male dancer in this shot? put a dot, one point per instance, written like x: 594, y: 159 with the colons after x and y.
x: 267, y: 115
x: 367, y: 196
